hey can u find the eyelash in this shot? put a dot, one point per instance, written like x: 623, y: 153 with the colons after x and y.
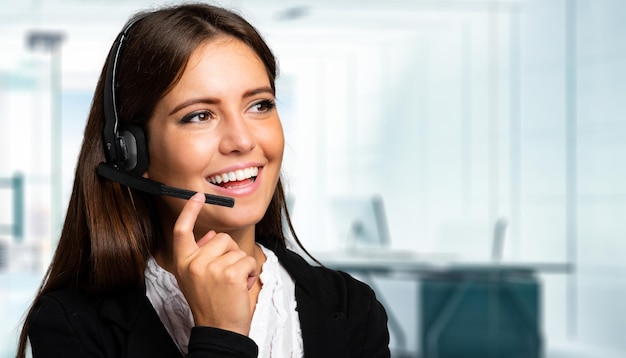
x: 189, y: 118
x: 269, y: 105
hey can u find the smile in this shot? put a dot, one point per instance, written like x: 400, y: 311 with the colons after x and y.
x: 235, y: 176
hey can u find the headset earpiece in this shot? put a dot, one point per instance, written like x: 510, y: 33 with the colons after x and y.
x: 133, y: 149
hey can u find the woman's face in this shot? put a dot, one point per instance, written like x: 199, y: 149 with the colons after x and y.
x: 217, y: 131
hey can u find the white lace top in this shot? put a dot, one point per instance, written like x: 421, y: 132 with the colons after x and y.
x: 275, y: 324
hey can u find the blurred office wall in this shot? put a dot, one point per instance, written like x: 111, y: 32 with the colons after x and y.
x: 458, y: 113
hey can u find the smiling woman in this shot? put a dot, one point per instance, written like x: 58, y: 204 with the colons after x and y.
x: 188, y: 100
x: 219, y: 120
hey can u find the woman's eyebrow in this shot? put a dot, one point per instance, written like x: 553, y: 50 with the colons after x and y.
x: 193, y: 101
x: 259, y: 90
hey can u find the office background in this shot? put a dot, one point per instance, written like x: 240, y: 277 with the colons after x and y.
x: 457, y: 113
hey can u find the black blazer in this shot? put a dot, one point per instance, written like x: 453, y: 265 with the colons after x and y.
x: 339, y: 317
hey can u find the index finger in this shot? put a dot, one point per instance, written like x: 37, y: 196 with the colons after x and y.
x: 184, y: 241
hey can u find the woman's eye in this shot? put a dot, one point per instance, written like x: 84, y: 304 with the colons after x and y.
x: 263, y: 106
x: 197, y: 117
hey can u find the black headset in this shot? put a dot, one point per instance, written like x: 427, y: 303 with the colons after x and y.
x: 125, y: 145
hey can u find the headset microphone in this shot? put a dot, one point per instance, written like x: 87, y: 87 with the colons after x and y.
x: 153, y: 187
x: 125, y: 145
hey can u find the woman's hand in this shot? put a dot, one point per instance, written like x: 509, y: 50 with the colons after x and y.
x: 213, y: 273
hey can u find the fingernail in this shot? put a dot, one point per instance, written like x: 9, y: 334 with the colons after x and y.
x: 199, y: 197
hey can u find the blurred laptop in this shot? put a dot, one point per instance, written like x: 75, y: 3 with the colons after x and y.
x: 360, y: 226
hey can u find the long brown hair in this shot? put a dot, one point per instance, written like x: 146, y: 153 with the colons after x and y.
x: 110, y: 230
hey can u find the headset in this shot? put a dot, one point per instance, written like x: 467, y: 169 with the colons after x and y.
x: 125, y: 145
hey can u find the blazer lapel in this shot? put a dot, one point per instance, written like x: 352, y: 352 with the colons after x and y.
x: 324, y: 332
x: 322, y: 321
x: 136, y: 327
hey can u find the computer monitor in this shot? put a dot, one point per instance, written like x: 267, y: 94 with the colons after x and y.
x: 359, y: 222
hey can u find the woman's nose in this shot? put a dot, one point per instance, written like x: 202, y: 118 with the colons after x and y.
x: 237, y: 135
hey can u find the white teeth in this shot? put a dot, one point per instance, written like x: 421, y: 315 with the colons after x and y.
x: 237, y: 175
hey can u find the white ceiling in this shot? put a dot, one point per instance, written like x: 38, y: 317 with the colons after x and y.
x: 89, y: 26
x: 90, y: 12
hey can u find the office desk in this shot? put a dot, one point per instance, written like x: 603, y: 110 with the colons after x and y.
x: 415, y: 264
x: 463, y: 298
